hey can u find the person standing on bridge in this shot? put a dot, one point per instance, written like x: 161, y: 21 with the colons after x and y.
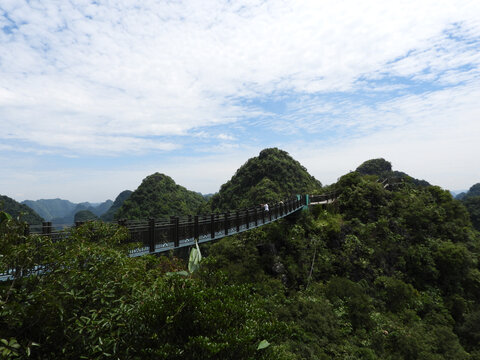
x: 265, y: 207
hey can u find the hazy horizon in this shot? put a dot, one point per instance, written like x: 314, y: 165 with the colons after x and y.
x: 99, y: 201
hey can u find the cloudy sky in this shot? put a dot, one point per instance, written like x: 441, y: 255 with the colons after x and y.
x: 96, y: 95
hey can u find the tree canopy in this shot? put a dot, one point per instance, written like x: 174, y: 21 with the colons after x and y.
x: 270, y: 177
x: 374, y: 167
x: 159, y: 196
x: 383, y: 169
x: 109, y: 215
x: 16, y: 209
x: 85, y: 215
x: 383, y: 272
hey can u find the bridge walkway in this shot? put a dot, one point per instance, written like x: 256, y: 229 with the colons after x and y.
x: 157, y: 236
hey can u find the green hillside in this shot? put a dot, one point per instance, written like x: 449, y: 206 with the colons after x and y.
x: 84, y: 215
x: 110, y: 213
x: 383, y: 169
x: 471, y: 200
x: 16, y: 209
x: 472, y: 203
x: 101, y: 208
x: 270, y: 177
x: 381, y: 273
x: 473, y: 191
x: 159, y: 196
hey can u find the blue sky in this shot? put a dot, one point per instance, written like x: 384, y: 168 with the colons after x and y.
x: 96, y: 95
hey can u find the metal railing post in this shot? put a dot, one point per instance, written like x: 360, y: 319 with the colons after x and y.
x: 226, y: 215
x: 212, y: 226
x: 195, y: 227
x: 177, y: 232
x: 237, y: 220
x: 46, y: 228
x: 151, y: 235
x: 174, y: 230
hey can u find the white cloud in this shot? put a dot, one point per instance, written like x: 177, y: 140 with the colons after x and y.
x: 357, y: 80
x: 166, y: 68
x: 438, y: 142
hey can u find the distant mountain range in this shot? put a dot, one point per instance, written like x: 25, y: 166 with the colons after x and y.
x: 61, y: 212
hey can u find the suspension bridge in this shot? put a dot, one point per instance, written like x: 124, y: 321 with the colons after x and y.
x: 160, y: 235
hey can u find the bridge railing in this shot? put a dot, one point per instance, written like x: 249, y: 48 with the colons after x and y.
x: 158, y: 235
x: 323, y: 198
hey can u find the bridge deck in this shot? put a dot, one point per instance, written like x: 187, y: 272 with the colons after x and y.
x: 159, y: 236
x: 206, y: 237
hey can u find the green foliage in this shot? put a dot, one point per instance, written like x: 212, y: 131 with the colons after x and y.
x: 109, y: 215
x: 473, y: 191
x: 374, y: 167
x: 95, y: 302
x: 263, y: 345
x: 4, y: 216
x: 383, y: 169
x: 472, y: 203
x: 386, y: 272
x: 85, y: 215
x: 471, y: 200
x: 16, y: 209
x: 159, y: 196
x: 9, y: 349
x: 194, y: 258
x: 272, y: 176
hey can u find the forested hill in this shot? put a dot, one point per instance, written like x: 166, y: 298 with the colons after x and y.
x: 271, y: 176
x: 120, y: 199
x: 15, y: 209
x: 383, y: 169
x: 384, y: 272
x: 471, y: 200
x: 159, y: 196
x: 472, y: 192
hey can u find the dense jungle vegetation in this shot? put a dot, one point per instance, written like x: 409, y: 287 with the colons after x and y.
x: 120, y: 199
x: 471, y: 200
x: 159, y: 196
x: 270, y: 177
x: 14, y: 208
x: 388, y: 271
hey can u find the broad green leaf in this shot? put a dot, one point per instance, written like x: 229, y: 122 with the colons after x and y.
x: 263, y: 344
x: 195, y: 257
x: 4, y: 216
